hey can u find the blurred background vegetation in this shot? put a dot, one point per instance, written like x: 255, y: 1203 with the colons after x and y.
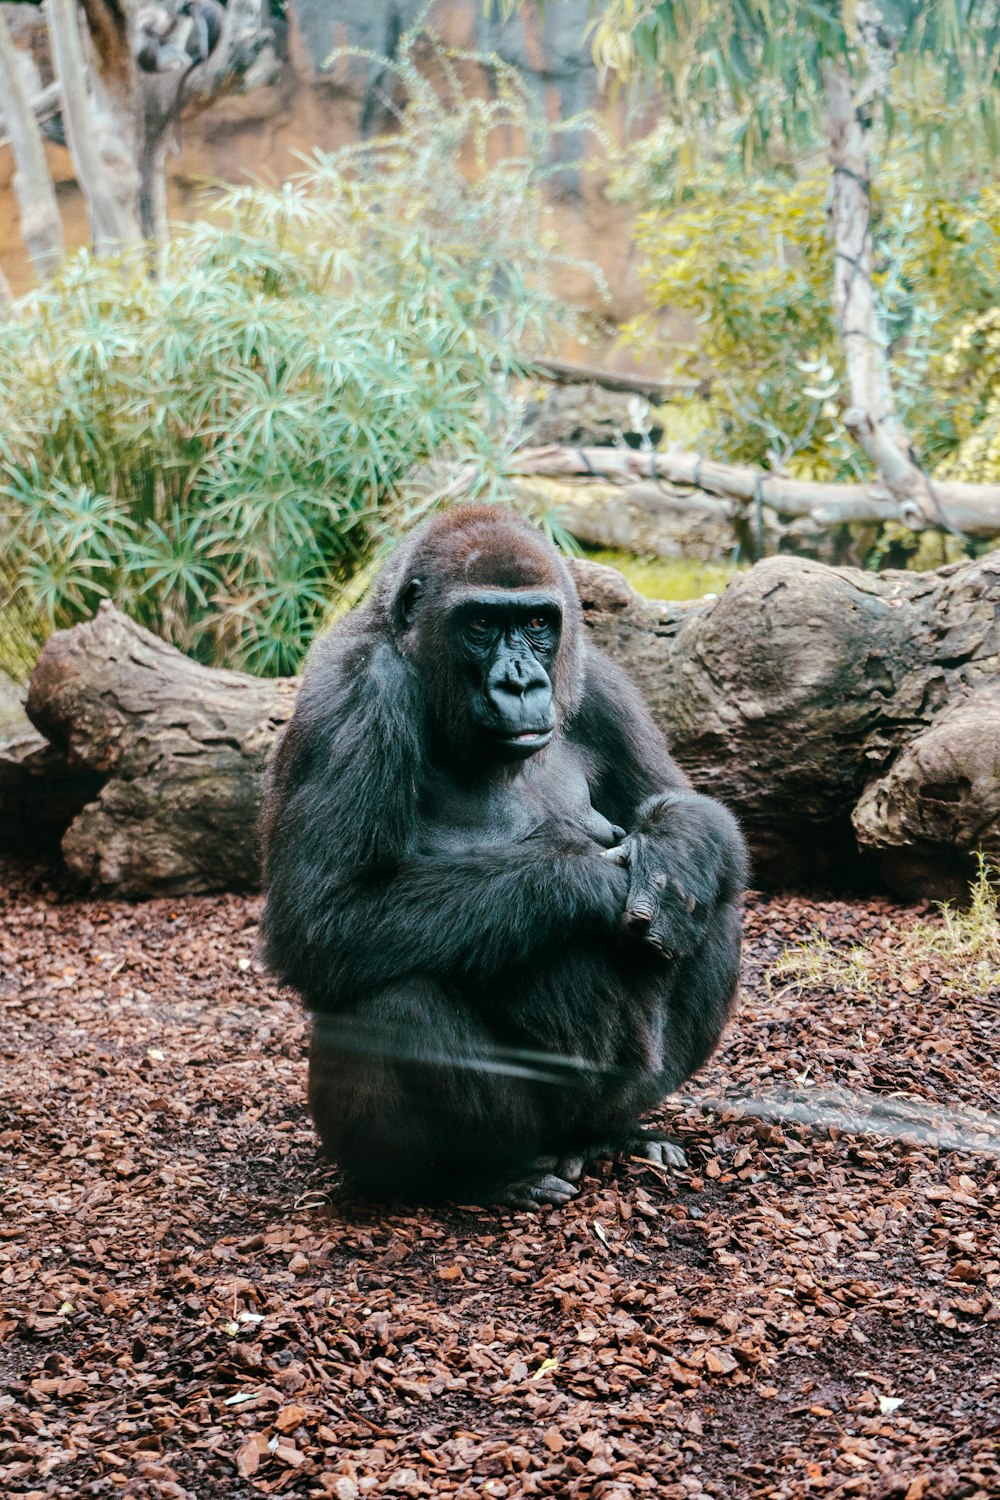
x: 221, y: 440
x: 218, y: 447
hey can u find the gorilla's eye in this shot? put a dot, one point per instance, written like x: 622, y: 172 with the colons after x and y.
x: 478, y: 626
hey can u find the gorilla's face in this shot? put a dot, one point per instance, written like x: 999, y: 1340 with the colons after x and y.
x: 504, y: 644
x: 486, y: 658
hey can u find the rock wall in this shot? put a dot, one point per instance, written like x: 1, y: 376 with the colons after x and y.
x: 259, y: 134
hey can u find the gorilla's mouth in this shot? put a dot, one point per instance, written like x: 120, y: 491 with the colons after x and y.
x: 525, y: 740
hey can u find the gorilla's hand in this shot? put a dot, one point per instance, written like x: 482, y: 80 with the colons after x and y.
x: 684, y: 857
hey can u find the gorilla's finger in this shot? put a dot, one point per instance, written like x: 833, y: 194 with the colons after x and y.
x: 656, y: 937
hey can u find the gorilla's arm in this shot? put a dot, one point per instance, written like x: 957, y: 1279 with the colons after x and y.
x: 453, y: 916
x: 685, y: 854
x: 352, y: 904
x: 628, y: 756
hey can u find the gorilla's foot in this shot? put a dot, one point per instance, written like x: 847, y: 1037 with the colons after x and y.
x: 550, y: 1180
x: 569, y: 1168
x: 658, y: 1149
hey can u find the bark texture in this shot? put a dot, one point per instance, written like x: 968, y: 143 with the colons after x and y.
x: 852, y: 720
x: 36, y: 196
x: 97, y: 121
x: 845, y: 716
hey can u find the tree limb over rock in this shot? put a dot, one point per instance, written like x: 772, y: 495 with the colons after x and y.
x: 847, y: 717
x: 973, y: 509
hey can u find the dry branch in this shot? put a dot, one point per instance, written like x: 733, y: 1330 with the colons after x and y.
x: 973, y: 509
x: 567, y: 372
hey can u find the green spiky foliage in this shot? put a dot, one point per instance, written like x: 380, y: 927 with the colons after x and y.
x: 219, y: 449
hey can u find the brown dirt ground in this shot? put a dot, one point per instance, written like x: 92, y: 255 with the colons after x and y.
x: 189, y: 1306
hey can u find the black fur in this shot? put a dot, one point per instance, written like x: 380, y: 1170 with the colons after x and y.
x: 488, y: 981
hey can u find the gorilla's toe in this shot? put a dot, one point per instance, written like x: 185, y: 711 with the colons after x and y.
x: 537, y: 1189
x: 658, y: 1149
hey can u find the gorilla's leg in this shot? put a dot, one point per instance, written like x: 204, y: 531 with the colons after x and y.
x: 695, y: 997
x: 412, y: 1096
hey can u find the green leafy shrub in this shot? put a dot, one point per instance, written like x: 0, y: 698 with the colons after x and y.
x: 218, y: 449
x: 971, y: 370
x: 748, y: 258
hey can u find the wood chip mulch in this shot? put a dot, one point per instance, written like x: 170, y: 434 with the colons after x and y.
x: 189, y: 1307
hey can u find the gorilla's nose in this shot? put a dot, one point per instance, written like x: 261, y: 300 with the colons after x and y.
x: 520, y: 678
x: 520, y: 691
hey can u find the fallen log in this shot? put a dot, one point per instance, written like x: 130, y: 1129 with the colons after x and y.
x: 178, y: 749
x: 654, y: 520
x: 848, y: 717
x: 804, y: 696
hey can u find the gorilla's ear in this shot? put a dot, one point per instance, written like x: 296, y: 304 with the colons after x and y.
x: 408, y: 600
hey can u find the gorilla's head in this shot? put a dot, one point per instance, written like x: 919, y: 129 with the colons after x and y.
x: 485, y: 609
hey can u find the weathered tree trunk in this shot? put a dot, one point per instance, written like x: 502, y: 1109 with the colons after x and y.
x: 872, y: 418
x: 845, y: 716
x: 100, y: 132
x: 655, y: 520
x: 165, y: 97
x: 970, y: 508
x: 41, y: 225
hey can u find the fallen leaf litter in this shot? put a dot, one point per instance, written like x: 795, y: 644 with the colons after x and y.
x: 189, y: 1306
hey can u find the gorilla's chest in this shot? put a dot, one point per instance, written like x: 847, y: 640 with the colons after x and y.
x: 465, y: 816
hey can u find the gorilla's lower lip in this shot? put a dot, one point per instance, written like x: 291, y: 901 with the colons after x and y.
x: 528, y: 737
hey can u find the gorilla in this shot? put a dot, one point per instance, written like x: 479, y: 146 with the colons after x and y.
x: 516, y: 925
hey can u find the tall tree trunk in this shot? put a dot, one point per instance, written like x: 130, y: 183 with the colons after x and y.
x: 159, y: 97
x: 36, y: 197
x: 100, y: 133
x: 871, y: 419
x: 237, y: 62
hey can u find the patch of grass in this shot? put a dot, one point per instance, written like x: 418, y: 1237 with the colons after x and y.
x: 669, y: 577
x: 960, y: 953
